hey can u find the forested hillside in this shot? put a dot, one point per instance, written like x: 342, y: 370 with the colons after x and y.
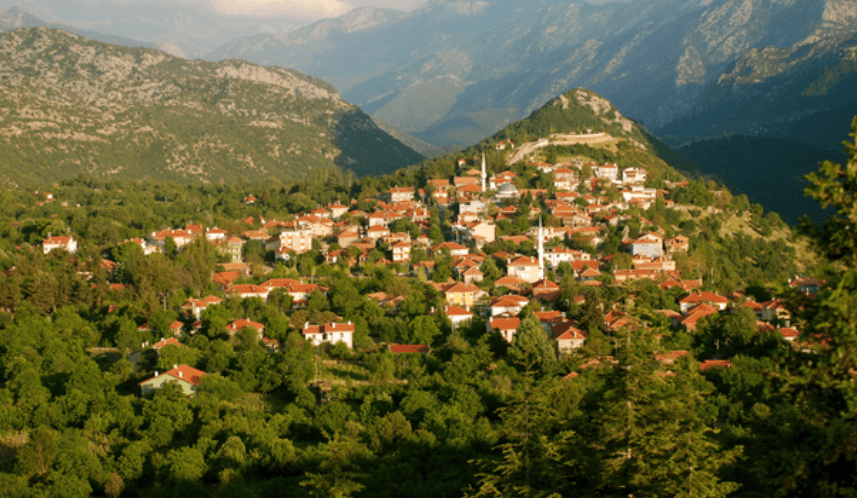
x: 679, y: 377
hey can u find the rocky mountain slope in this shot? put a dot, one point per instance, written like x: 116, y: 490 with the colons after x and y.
x: 69, y: 105
x: 453, y: 72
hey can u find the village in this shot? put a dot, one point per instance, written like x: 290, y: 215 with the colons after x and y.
x: 563, y: 233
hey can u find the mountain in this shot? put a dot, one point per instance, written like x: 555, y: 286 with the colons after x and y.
x: 75, y: 106
x: 769, y: 170
x: 770, y: 90
x: 453, y: 72
x: 581, y: 123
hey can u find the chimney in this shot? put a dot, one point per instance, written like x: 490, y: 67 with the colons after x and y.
x: 180, y: 375
x: 175, y: 366
x: 306, y: 325
x: 156, y: 373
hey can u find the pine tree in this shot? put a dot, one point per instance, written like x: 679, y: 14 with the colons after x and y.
x: 652, y: 439
x: 821, y: 385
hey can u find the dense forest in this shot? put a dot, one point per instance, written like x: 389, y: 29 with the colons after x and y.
x: 633, y: 413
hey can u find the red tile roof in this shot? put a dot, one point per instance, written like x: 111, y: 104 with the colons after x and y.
x: 409, y: 348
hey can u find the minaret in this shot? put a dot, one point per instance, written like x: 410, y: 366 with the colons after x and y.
x: 484, y: 174
x: 541, y: 251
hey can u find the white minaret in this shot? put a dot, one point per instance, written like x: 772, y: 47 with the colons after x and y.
x: 541, y: 251
x: 484, y: 174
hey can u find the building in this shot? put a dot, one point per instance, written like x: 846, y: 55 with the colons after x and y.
x: 568, y: 337
x: 234, y: 327
x: 330, y: 333
x: 457, y: 315
x: 66, y: 242
x: 185, y: 376
x: 461, y: 294
x: 299, y: 241
x: 506, y: 326
x: 525, y: 268
x: 402, y: 252
x: 710, y: 298
x: 397, y: 194
x: 646, y: 247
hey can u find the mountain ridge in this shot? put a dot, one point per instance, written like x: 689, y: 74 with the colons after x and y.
x: 476, y: 71
x: 81, y: 106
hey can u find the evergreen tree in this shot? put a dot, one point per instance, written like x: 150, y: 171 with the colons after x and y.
x: 822, y: 383
x: 653, y: 439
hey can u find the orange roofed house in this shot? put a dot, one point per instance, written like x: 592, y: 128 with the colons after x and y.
x: 461, y: 294
x: 185, y: 376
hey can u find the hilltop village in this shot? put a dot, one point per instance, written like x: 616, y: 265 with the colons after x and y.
x: 513, y: 317
x: 502, y: 249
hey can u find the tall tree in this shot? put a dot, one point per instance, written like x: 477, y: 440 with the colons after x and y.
x: 652, y: 437
x: 822, y: 383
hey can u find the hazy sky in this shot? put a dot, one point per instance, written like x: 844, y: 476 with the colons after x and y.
x: 320, y: 8
x: 312, y: 9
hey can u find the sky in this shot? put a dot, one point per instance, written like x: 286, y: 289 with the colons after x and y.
x: 319, y: 8
x: 305, y: 9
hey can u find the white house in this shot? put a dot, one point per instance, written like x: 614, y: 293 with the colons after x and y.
x: 330, y: 333
x: 66, y: 242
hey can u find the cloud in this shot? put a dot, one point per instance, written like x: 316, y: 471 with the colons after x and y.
x: 287, y: 8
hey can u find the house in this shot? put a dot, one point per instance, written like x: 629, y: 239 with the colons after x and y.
x: 457, y: 315
x: 196, y: 306
x: 462, y: 294
x: 243, y: 323
x: 696, y: 298
x: 246, y: 291
x: 503, y: 144
x: 634, y: 175
x: 215, y: 234
x: 509, y: 304
x: 505, y: 325
x: 639, y: 193
x: 224, y: 279
x: 185, y: 376
x: 402, y: 252
x: 180, y: 237
x: 559, y: 255
x: 568, y: 337
x: 525, y: 268
x: 453, y: 248
x: 806, y: 285
x: 545, y: 290
x: 511, y: 283
x: 383, y: 218
x: 775, y: 309
x: 397, y: 194
x: 231, y: 247
x: 337, y: 210
x: 606, y: 171
x: 691, y: 319
x: 147, y: 248
x: 299, y: 241
x: 66, y: 242
x: 330, y: 333
x: 347, y: 237
x: 479, y: 232
x: 298, y: 290
x: 646, y: 247
x: 677, y: 243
